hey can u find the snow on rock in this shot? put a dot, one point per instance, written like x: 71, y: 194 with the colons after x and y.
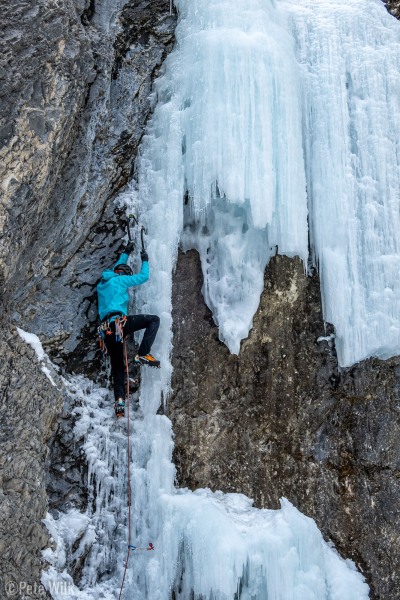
x: 35, y: 343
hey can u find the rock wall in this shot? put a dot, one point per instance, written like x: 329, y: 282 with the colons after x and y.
x: 29, y: 409
x: 75, y: 94
x: 60, y: 226
x: 282, y: 420
x: 393, y: 7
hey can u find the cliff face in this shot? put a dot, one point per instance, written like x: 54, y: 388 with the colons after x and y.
x: 77, y: 115
x: 29, y: 405
x: 76, y: 79
x: 282, y: 420
x: 393, y: 7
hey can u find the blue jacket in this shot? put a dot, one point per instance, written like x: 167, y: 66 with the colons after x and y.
x: 112, y: 291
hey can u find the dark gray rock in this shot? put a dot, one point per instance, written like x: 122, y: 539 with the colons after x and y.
x: 393, y: 7
x: 282, y: 420
x: 29, y: 408
x: 70, y: 155
x: 76, y: 77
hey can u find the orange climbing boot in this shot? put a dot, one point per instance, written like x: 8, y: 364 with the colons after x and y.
x: 147, y: 360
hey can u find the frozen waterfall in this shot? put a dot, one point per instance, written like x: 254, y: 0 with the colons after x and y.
x: 271, y: 116
x: 276, y: 129
x: 349, y: 57
x: 208, y: 546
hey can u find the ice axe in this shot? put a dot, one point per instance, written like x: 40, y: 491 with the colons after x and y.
x: 143, y: 230
x: 129, y: 218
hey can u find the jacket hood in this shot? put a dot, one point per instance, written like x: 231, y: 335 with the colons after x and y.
x: 107, y: 275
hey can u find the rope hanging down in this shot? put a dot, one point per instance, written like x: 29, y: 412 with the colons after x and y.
x: 129, y: 471
x: 130, y: 546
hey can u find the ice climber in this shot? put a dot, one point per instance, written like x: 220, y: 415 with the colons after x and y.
x: 113, y: 300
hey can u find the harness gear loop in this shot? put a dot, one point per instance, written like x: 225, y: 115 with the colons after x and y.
x: 119, y: 328
x: 106, y: 329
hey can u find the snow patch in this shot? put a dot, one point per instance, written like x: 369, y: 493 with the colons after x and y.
x: 33, y: 340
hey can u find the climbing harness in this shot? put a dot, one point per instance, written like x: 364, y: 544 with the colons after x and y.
x: 119, y: 328
x: 105, y: 329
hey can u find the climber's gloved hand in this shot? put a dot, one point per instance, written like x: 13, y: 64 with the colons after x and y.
x: 129, y: 248
x: 144, y: 256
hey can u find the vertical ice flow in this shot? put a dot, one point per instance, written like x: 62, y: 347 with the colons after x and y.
x: 349, y: 56
x: 227, y: 133
x: 212, y: 546
x: 257, y: 103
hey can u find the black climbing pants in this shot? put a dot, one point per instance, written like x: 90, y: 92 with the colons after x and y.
x: 115, y: 349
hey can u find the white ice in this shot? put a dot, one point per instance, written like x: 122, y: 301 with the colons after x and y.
x: 212, y: 544
x: 349, y: 57
x: 227, y: 132
x: 261, y: 101
x: 267, y: 115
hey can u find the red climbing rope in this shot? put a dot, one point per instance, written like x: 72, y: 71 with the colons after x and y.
x: 130, y: 546
x: 129, y: 470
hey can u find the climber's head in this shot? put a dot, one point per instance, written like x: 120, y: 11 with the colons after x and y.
x: 123, y: 270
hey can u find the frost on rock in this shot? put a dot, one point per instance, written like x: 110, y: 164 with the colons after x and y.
x: 269, y: 116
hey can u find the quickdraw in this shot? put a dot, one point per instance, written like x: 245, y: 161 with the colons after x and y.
x: 119, y: 328
x: 105, y: 329
x: 149, y: 547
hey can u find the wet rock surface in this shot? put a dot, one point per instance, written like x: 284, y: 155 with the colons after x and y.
x: 282, y: 420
